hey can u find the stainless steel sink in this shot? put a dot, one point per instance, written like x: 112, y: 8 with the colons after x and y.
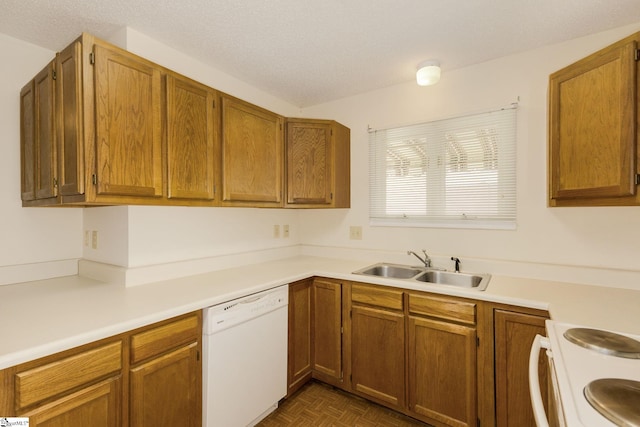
x: 463, y: 280
x: 475, y: 281
x: 394, y: 271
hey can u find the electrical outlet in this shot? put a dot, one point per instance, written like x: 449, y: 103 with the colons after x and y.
x: 285, y: 231
x: 355, y: 232
x: 276, y: 231
x: 94, y: 239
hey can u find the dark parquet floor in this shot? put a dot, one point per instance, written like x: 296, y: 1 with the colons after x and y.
x: 317, y: 404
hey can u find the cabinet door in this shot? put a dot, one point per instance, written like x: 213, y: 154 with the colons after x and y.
x: 442, y: 371
x: 252, y: 154
x: 97, y: 406
x: 514, y: 334
x: 70, y: 131
x: 164, y: 391
x: 592, y: 113
x: 27, y: 142
x: 377, y: 355
x: 299, y: 356
x: 309, y: 166
x: 37, y: 144
x: 128, y: 124
x: 327, y: 330
x: 191, y: 124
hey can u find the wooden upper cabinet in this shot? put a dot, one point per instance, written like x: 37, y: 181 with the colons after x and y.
x: 128, y: 124
x: 191, y: 139
x: 593, y: 156
x: 38, y: 139
x: 69, y: 106
x: 252, y: 155
x: 318, y: 164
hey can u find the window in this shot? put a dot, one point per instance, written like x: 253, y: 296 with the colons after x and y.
x: 456, y: 173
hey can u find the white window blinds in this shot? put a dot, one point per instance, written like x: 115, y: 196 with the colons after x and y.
x: 458, y: 172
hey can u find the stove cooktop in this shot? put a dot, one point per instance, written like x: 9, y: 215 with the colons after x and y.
x: 581, y: 361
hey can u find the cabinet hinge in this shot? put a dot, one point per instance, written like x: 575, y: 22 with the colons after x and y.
x: 341, y: 330
x: 198, y: 355
x: 92, y: 58
x: 636, y: 55
x: 94, y: 179
x: 330, y: 196
x: 478, y: 341
x: 478, y: 423
x: 637, y: 179
x: 54, y: 75
x: 55, y: 182
x: 214, y: 104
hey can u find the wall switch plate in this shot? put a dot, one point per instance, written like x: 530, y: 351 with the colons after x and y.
x: 94, y: 239
x: 355, y: 232
x: 285, y: 231
x: 276, y: 231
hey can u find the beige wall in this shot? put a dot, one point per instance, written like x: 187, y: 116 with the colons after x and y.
x: 546, y: 239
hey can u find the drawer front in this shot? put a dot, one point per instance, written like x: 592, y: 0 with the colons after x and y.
x: 376, y: 295
x: 160, y: 339
x: 43, y: 382
x: 441, y: 308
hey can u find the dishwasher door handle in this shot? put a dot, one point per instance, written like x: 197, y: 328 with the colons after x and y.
x: 539, y: 342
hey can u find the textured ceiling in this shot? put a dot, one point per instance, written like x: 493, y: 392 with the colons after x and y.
x: 311, y: 51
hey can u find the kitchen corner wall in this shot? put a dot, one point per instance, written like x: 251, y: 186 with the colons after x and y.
x: 583, y: 245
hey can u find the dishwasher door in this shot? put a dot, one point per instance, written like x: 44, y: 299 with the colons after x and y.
x: 245, y: 358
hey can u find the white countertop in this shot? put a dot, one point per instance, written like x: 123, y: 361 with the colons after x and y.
x: 44, y: 317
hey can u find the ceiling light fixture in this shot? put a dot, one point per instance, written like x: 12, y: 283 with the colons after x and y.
x: 428, y: 73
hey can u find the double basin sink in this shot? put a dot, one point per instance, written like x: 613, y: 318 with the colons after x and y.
x: 427, y: 275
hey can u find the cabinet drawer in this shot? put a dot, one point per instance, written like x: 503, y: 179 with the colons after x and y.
x: 377, y: 295
x: 443, y: 308
x: 160, y: 339
x: 37, y: 384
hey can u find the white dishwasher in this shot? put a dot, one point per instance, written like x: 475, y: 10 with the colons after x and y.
x: 245, y: 358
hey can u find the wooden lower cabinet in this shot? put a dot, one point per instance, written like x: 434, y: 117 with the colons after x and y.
x: 164, y: 391
x: 151, y: 376
x: 514, y: 334
x: 327, y: 330
x: 377, y: 355
x: 442, y: 372
x: 98, y: 405
x: 299, y: 352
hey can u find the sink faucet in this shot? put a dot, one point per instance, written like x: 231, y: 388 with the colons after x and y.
x: 457, y: 262
x: 426, y: 260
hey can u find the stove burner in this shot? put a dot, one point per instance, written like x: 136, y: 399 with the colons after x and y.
x: 604, y: 342
x: 616, y: 399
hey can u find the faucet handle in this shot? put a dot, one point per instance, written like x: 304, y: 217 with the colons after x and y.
x: 457, y: 263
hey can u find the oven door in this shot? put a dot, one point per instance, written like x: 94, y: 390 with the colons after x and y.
x: 556, y: 415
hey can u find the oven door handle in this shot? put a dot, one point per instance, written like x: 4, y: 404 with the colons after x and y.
x: 539, y: 342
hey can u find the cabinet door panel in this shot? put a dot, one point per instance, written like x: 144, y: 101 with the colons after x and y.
x: 27, y: 142
x: 309, y: 174
x: 377, y: 354
x: 164, y: 391
x: 327, y: 325
x: 96, y: 406
x: 592, y: 126
x: 252, y: 154
x: 45, y: 134
x: 128, y: 125
x: 190, y: 139
x: 70, y: 126
x: 514, y: 334
x: 442, y: 371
